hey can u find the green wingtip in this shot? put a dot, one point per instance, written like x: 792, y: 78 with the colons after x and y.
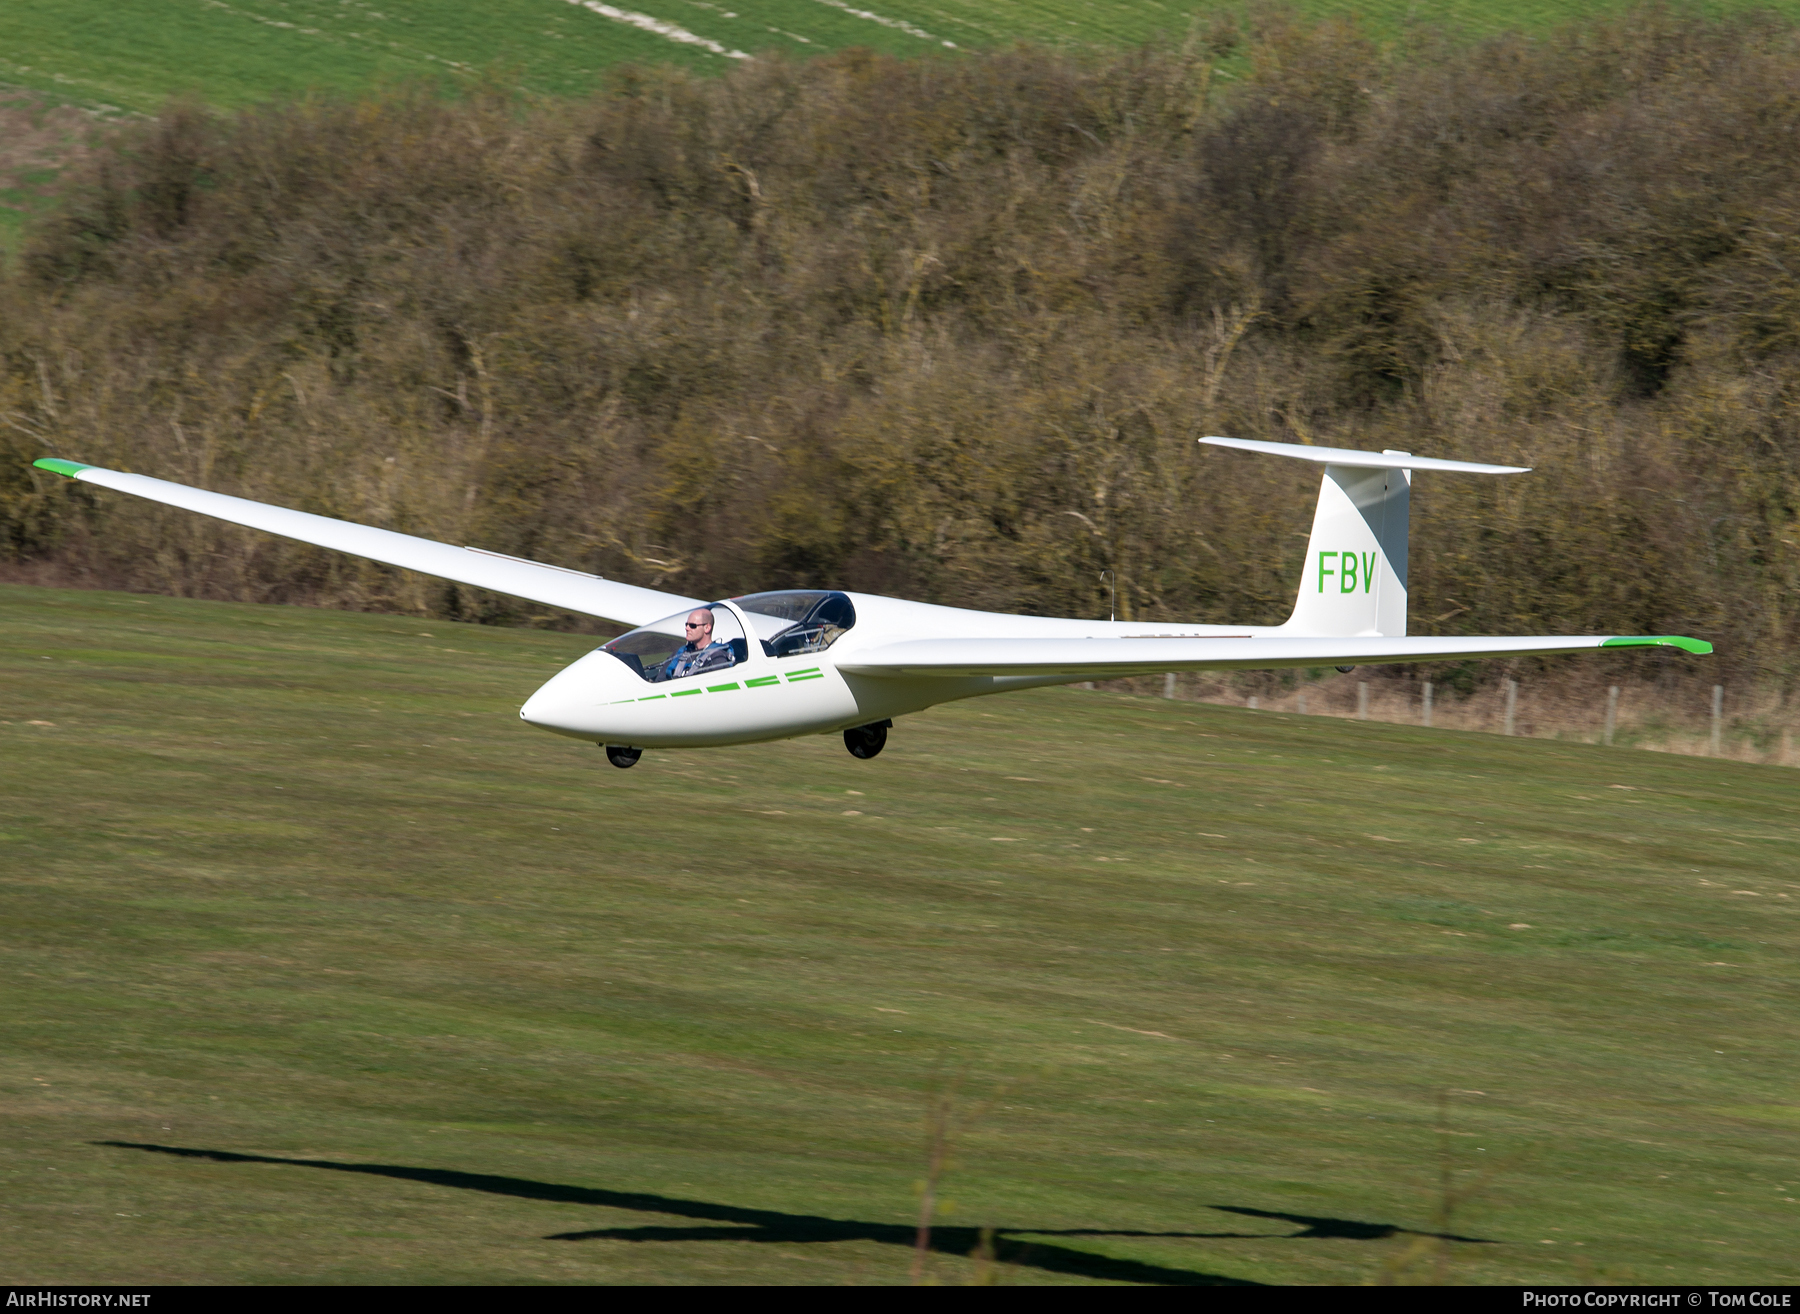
x: 60, y: 466
x: 1681, y: 641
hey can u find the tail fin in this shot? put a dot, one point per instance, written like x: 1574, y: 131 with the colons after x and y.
x: 1354, y: 582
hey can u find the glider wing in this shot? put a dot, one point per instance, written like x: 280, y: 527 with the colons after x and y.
x: 554, y: 586
x: 1101, y: 659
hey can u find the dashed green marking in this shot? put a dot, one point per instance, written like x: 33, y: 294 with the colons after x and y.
x: 759, y: 682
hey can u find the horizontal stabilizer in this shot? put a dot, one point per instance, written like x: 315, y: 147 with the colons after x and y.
x: 1365, y: 460
x: 1102, y: 659
x: 554, y: 586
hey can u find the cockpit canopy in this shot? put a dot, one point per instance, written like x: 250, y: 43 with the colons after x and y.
x: 675, y: 646
x: 798, y: 621
x: 787, y: 624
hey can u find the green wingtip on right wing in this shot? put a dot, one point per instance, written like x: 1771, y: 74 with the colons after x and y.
x: 1681, y: 641
x: 57, y: 465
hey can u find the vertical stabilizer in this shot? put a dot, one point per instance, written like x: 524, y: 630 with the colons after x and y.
x: 1354, y: 582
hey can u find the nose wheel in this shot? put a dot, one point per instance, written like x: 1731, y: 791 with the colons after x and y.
x: 866, y: 741
x: 623, y: 757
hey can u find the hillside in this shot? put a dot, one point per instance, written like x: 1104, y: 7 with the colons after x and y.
x: 133, y: 56
x: 949, y: 328
x: 322, y: 967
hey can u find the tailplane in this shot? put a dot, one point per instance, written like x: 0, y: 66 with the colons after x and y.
x: 1354, y: 581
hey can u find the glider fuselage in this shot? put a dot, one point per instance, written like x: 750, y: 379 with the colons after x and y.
x: 763, y: 697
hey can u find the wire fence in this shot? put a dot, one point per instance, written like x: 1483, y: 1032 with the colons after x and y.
x: 1702, y: 721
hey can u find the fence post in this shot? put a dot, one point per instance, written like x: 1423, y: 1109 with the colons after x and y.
x: 1362, y: 700
x: 1425, y: 706
x: 1612, y: 714
x: 1252, y: 703
x: 1169, y: 685
x: 1718, y: 707
x: 1300, y: 703
x: 1512, y: 704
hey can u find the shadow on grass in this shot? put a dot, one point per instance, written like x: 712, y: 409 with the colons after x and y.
x: 1347, y: 1229
x: 1011, y: 1245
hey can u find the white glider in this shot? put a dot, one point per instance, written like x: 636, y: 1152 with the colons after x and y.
x: 814, y: 661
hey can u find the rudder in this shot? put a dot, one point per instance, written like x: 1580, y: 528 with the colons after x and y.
x: 1354, y: 581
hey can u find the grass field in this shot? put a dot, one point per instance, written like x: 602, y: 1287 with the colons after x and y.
x: 131, y: 56
x: 321, y: 967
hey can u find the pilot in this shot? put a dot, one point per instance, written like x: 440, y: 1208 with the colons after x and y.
x: 699, y: 653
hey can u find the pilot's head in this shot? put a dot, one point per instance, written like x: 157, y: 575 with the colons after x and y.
x: 699, y: 627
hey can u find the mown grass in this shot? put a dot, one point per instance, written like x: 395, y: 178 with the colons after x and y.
x: 297, y: 885
x: 132, y: 57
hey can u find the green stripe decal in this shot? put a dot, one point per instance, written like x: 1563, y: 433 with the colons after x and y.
x: 760, y: 682
x: 1700, y: 646
x: 57, y: 465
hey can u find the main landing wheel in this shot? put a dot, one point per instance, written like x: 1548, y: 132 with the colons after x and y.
x: 866, y: 741
x: 623, y: 757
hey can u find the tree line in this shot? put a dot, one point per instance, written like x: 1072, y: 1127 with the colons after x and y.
x: 949, y: 327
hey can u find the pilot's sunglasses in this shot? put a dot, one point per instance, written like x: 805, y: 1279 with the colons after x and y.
x: 699, y: 625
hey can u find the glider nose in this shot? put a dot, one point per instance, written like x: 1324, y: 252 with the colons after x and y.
x: 569, y: 702
x: 545, y: 708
